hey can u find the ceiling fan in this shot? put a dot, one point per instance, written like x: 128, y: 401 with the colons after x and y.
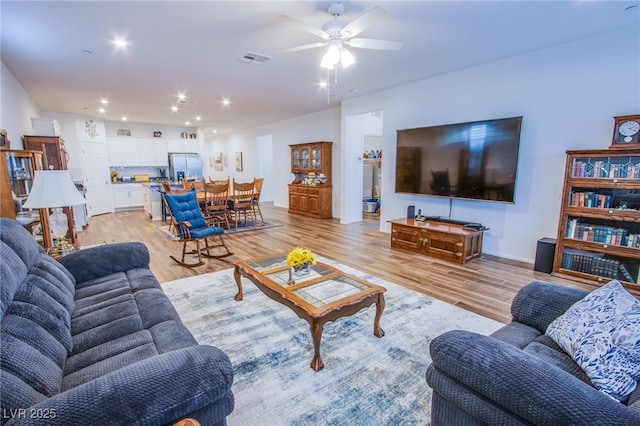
x: 337, y: 34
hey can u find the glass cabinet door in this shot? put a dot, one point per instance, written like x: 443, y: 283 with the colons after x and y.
x: 304, y: 153
x: 21, y: 167
x: 295, y: 158
x: 316, y: 158
x: 619, y: 167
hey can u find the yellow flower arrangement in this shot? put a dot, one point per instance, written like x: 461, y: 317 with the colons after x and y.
x: 299, y: 256
x: 114, y: 175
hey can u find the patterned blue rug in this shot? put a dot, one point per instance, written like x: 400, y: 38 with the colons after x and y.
x: 366, y: 380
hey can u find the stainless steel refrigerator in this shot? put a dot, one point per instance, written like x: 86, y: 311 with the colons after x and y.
x: 185, y: 165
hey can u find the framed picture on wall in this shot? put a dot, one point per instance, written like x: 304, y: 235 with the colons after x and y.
x: 238, y: 157
x: 217, y: 162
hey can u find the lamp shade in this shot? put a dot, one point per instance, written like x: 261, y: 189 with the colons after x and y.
x: 52, y: 189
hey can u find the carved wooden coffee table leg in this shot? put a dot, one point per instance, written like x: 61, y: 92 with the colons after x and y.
x: 236, y: 275
x: 377, y: 331
x: 316, y: 333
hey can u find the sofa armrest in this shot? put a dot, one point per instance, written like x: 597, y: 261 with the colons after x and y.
x: 538, y: 303
x: 100, y: 261
x: 522, y: 383
x: 157, y: 391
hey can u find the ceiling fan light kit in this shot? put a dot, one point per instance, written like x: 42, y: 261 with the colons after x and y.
x: 337, y: 34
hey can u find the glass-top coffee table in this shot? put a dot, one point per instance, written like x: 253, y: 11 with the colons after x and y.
x: 326, y: 294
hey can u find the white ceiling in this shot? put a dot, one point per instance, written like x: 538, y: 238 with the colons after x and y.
x: 195, y: 48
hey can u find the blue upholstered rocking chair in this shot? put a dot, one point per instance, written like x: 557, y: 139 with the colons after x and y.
x: 191, y: 227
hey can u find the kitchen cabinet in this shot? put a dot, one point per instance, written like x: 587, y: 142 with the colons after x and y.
x: 124, y: 151
x: 599, y: 230
x: 152, y: 201
x: 182, y: 145
x: 128, y: 196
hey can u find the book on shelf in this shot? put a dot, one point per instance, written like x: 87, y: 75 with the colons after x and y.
x: 600, y: 234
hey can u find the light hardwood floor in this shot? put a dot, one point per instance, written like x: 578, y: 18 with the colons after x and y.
x: 485, y: 286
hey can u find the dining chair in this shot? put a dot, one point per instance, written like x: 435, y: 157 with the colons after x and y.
x: 241, y: 206
x: 227, y: 180
x: 257, y: 183
x: 216, y: 211
x: 192, y: 228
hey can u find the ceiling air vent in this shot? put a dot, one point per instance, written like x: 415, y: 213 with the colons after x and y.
x: 255, y: 58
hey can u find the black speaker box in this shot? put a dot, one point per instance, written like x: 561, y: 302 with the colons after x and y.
x: 545, y: 251
x: 411, y: 212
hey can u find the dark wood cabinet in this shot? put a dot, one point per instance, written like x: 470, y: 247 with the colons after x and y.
x: 436, y: 239
x: 55, y: 157
x: 310, y: 193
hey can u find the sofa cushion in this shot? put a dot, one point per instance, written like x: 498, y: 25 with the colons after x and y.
x: 602, y: 334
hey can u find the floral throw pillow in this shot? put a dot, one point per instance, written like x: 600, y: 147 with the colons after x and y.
x: 602, y: 334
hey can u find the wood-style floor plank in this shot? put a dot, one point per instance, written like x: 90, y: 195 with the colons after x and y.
x: 485, y: 286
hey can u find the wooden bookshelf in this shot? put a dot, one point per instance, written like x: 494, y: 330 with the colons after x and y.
x: 599, y: 229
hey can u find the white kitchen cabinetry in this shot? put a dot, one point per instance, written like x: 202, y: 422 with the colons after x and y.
x: 160, y: 151
x: 152, y: 201
x: 132, y: 152
x: 128, y: 196
x: 182, y: 145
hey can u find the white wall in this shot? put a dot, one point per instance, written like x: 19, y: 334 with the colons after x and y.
x: 16, y: 108
x: 320, y: 126
x: 567, y: 95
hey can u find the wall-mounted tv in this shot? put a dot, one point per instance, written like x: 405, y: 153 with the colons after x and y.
x: 476, y: 160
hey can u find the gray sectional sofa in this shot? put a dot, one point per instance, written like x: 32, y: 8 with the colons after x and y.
x: 93, y: 339
x: 518, y: 375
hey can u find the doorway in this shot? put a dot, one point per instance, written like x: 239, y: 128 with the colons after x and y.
x: 264, y: 151
x: 358, y: 128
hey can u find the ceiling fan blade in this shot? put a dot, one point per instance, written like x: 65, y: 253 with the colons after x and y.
x: 369, y: 43
x: 303, y: 47
x: 364, y: 21
x: 308, y: 28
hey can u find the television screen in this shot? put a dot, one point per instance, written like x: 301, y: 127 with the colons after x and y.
x: 476, y: 160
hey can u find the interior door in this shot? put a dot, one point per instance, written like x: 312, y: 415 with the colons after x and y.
x: 95, y: 169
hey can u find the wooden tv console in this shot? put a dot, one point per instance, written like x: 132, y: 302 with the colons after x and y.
x: 437, y: 239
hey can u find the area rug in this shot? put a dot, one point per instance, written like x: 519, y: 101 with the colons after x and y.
x: 366, y: 380
x: 164, y: 229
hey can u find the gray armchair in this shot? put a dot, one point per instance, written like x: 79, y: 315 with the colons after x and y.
x: 518, y: 375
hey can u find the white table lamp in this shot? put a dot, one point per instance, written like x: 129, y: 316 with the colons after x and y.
x: 54, y: 189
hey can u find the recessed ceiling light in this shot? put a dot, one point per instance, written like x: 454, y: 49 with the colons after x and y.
x: 198, y: 118
x: 182, y: 96
x: 174, y: 108
x: 120, y: 42
x: 102, y: 110
x: 187, y: 123
x: 124, y: 118
x: 226, y: 102
x: 104, y: 101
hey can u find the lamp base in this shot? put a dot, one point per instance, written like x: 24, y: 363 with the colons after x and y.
x: 62, y: 248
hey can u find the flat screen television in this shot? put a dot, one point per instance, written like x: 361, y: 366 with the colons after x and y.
x: 476, y: 160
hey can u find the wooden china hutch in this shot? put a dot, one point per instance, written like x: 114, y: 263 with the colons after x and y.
x: 310, y: 193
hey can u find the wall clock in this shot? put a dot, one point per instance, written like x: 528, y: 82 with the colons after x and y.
x: 626, y: 132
